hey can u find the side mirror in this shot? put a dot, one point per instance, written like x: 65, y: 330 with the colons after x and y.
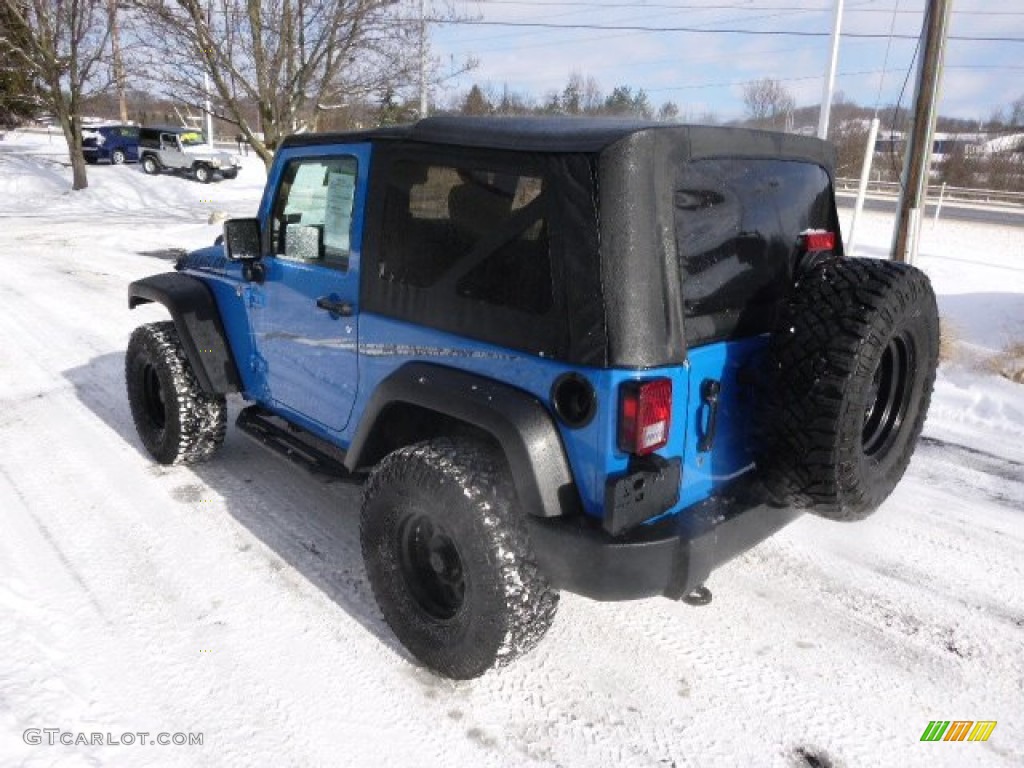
x: 242, y: 239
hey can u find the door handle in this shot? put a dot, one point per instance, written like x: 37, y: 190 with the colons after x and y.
x: 336, y: 307
x: 710, y: 390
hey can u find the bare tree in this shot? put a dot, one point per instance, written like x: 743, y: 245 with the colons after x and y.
x: 276, y: 66
x: 1017, y: 113
x: 850, y: 138
x: 767, y: 101
x: 60, y: 44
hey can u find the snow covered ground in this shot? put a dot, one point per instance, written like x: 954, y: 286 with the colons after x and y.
x: 230, y: 600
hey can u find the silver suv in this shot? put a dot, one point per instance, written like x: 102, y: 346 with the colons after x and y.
x: 184, y: 150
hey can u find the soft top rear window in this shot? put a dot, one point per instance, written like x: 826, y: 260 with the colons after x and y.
x: 737, y: 226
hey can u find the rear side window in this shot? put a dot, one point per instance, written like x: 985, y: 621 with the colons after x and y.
x: 737, y: 224
x: 471, y: 242
x: 312, y: 216
x: 479, y: 234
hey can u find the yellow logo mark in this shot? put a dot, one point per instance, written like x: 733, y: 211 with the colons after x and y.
x: 982, y: 730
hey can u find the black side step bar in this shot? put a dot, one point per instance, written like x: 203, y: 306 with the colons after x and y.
x: 294, y: 443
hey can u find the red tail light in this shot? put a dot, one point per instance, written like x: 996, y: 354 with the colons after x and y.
x: 645, y: 415
x: 817, y: 240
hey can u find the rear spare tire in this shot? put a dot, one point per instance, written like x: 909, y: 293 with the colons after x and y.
x: 853, y: 364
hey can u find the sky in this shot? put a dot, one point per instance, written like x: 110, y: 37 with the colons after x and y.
x: 703, y: 71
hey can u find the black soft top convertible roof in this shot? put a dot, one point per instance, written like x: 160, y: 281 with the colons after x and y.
x: 581, y: 134
x: 612, y: 219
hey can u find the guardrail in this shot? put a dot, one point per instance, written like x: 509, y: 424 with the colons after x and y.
x: 951, y: 194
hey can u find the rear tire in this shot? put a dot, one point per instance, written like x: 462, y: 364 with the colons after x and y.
x: 150, y: 165
x: 177, y: 421
x: 853, y: 367
x: 448, y: 557
x: 117, y: 157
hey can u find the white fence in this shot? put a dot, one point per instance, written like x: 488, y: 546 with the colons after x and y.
x: 952, y: 194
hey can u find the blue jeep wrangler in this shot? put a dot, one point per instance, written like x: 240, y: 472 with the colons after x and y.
x: 598, y: 356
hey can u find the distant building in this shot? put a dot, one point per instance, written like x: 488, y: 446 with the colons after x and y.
x: 944, y: 144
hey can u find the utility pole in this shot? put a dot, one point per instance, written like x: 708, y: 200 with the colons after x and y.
x: 423, y: 59
x: 922, y: 128
x: 206, y: 81
x: 830, y: 78
x: 115, y: 44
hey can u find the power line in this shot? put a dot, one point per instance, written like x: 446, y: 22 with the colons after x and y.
x: 885, y: 64
x: 754, y: 32
x: 708, y: 7
x: 515, y: 35
x: 674, y: 11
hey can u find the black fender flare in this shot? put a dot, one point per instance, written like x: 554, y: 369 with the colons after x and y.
x: 517, y: 421
x: 197, y: 320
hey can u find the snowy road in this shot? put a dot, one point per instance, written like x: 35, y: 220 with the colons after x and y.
x: 230, y: 600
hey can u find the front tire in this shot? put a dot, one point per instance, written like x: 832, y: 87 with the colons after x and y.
x: 448, y: 557
x: 202, y: 173
x: 177, y: 421
x: 854, y: 363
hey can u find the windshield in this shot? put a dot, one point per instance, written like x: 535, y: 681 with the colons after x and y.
x: 192, y: 139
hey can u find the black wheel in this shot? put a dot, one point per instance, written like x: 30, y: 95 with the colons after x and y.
x: 91, y: 159
x: 229, y: 174
x: 117, y: 157
x: 202, y: 173
x: 150, y: 165
x: 448, y: 557
x: 853, y: 367
x: 177, y: 421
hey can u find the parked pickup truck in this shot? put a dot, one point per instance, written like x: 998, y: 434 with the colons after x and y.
x: 585, y: 355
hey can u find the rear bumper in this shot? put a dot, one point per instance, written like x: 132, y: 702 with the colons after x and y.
x: 671, y: 558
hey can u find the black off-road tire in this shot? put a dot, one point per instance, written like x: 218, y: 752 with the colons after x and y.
x: 178, y: 422
x: 853, y: 365
x: 448, y: 557
x: 150, y: 165
x: 117, y: 157
x: 202, y: 173
x: 229, y: 174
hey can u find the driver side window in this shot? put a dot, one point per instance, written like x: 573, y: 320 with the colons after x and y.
x: 312, y: 218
